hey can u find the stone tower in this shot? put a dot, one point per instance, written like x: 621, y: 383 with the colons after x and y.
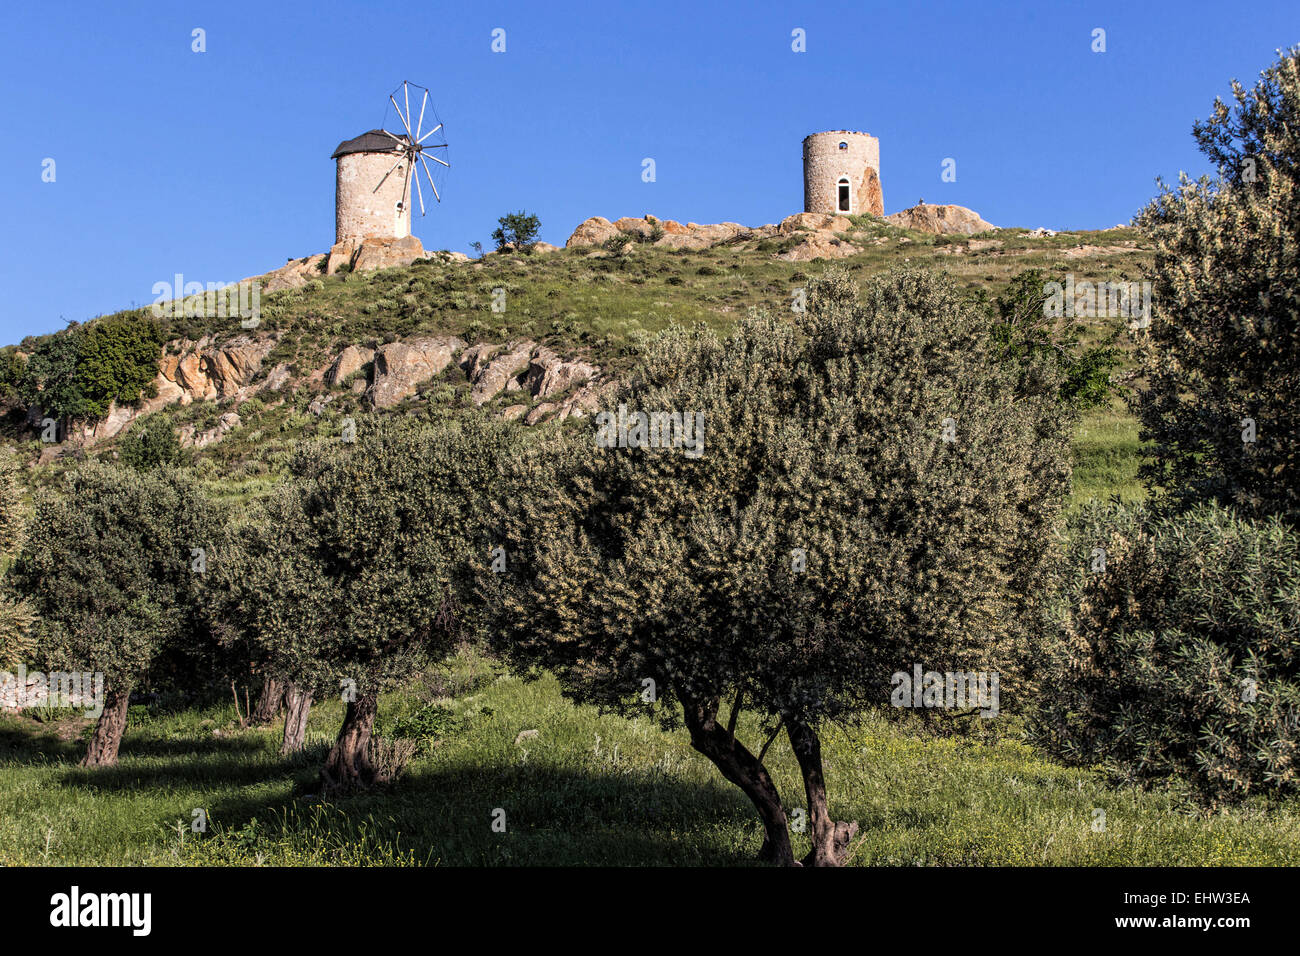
x: 360, y: 210
x: 841, y: 174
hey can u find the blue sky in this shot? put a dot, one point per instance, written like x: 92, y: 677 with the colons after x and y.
x: 216, y: 165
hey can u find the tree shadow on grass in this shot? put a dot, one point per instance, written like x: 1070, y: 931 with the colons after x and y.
x: 445, y: 816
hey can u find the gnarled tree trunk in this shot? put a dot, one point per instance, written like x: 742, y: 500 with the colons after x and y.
x: 744, y: 770
x: 268, y: 702
x: 830, y: 840
x: 348, y: 765
x: 297, y: 710
x: 107, y: 736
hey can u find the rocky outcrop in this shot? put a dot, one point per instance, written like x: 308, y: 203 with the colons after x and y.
x: 196, y: 371
x: 941, y: 220
x: 496, y: 374
x: 190, y: 438
x: 374, y: 253
x: 401, y: 366
x: 294, y: 275
x: 549, y: 375
x: 350, y: 361
x: 670, y: 234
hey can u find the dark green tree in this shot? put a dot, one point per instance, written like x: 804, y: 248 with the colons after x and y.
x: 518, y: 230
x: 874, y: 490
x: 151, y: 442
x: 397, y: 524
x: 1022, y: 334
x: 113, y: 568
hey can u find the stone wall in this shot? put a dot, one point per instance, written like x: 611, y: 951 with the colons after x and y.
x: 824, y: 163
x: 359, y: 210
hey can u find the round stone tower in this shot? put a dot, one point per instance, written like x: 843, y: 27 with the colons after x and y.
x: 361, y: 210
x: 841, y: 174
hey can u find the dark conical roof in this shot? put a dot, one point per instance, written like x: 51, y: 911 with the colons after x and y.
x: 374, y: 141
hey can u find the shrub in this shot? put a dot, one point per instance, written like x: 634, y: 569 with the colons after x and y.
x: 1180, y: 660
x: 151, y: 442
x: 1224, y: 342
x: 1021, y: 330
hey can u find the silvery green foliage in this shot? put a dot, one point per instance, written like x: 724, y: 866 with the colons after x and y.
x: 391, y: 541
x: 823, y: 435
x: 107, y: 569
x: 1224, y: 342
x: 1182, y: 660
x: 15, y: 615
x: 275, y: 604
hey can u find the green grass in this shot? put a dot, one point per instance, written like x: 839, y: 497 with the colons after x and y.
x: 1106, y: 456
x: 587, y: 790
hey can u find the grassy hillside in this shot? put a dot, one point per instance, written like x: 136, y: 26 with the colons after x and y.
x: 591, y: 303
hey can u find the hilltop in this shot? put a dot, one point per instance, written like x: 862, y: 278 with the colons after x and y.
x: 529, y: 336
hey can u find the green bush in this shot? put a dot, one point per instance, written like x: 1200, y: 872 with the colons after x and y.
x: 151, y: 442
x: 77, y: 373
x: 1221, y: 408
x: 1179, y: 659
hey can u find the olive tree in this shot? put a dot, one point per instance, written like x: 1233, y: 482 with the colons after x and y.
x: 275, y: 606
x: 395, y: 524
x: 864, y: 489
x: 112, y: 568
x: 1221, y: 407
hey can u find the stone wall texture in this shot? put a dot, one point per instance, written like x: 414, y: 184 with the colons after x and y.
x: 824, y: 163
x: 360, y: 211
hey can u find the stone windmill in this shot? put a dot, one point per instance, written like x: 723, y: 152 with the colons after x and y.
x: 841, y: 174
x: 372, y: 204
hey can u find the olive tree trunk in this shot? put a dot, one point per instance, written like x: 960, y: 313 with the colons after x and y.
x: 297, y: 710
x: 107, y: 736
x: 743, y: 769
x: 348, y: 765
x: 268, y: 702
x: 830, y: 840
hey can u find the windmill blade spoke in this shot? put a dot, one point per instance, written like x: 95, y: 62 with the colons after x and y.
x: 420, y: 122
x: 428, y: 176
x: 399, y: 115
x: 406, y: 95
x: 431, y: 132
x: 437, y: 160
x: 389, y: 173
x: 419, y: 192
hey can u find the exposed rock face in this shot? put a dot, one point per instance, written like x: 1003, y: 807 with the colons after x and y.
x: 941, y: 220
x: 374, y: 253
x: 401, y: 366
x: 351, y: 360
x: 819, y: 245
x: 492, y: 378
x: 816, y: 221
x: 549, y: 375
x: 294, y: 275
x: 190, y: 439
x: 592, y: 232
